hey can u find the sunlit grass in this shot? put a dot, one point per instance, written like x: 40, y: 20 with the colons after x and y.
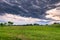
x: 29, y: 33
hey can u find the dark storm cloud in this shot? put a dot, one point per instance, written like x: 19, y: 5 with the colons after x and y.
x: 30, y: 11
x: 27, y: 8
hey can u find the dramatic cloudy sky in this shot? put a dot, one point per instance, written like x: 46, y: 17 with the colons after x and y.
x: 30, y: 11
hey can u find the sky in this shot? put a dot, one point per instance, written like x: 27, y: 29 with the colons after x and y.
x: 30, y: 11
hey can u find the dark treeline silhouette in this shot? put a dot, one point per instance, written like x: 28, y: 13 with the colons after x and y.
x: 56, y: 23
x: 9, y: 23
x: 31, y: 24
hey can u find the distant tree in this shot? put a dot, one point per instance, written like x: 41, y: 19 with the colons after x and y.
x: 36, y: 24
x: 10, y: 23
x: 1, y: 24
x: 46, y: 24
x: 28, y: 25
x: 56, y: 23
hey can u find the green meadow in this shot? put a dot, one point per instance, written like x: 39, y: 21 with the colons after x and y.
x: 51, y: 32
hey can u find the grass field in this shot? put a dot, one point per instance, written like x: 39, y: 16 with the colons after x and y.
x: 29, y: 33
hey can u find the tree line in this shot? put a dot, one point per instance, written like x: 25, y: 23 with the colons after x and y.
x: 8, y: 23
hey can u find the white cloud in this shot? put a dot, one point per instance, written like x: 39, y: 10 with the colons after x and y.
x: 18, y: 19
x: 53, y: 14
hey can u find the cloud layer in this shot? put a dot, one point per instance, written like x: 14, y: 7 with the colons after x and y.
x: 30, y: 11
x: 18, y: 19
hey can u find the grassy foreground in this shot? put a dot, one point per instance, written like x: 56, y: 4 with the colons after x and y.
x: 29, y: 33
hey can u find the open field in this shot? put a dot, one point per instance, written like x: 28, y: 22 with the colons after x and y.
x: 29, y: 33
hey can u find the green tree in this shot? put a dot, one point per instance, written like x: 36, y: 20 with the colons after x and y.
x: 1, y: 24
x: 36, y: 24
x: 56, y: 23
x: 10, y: 23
